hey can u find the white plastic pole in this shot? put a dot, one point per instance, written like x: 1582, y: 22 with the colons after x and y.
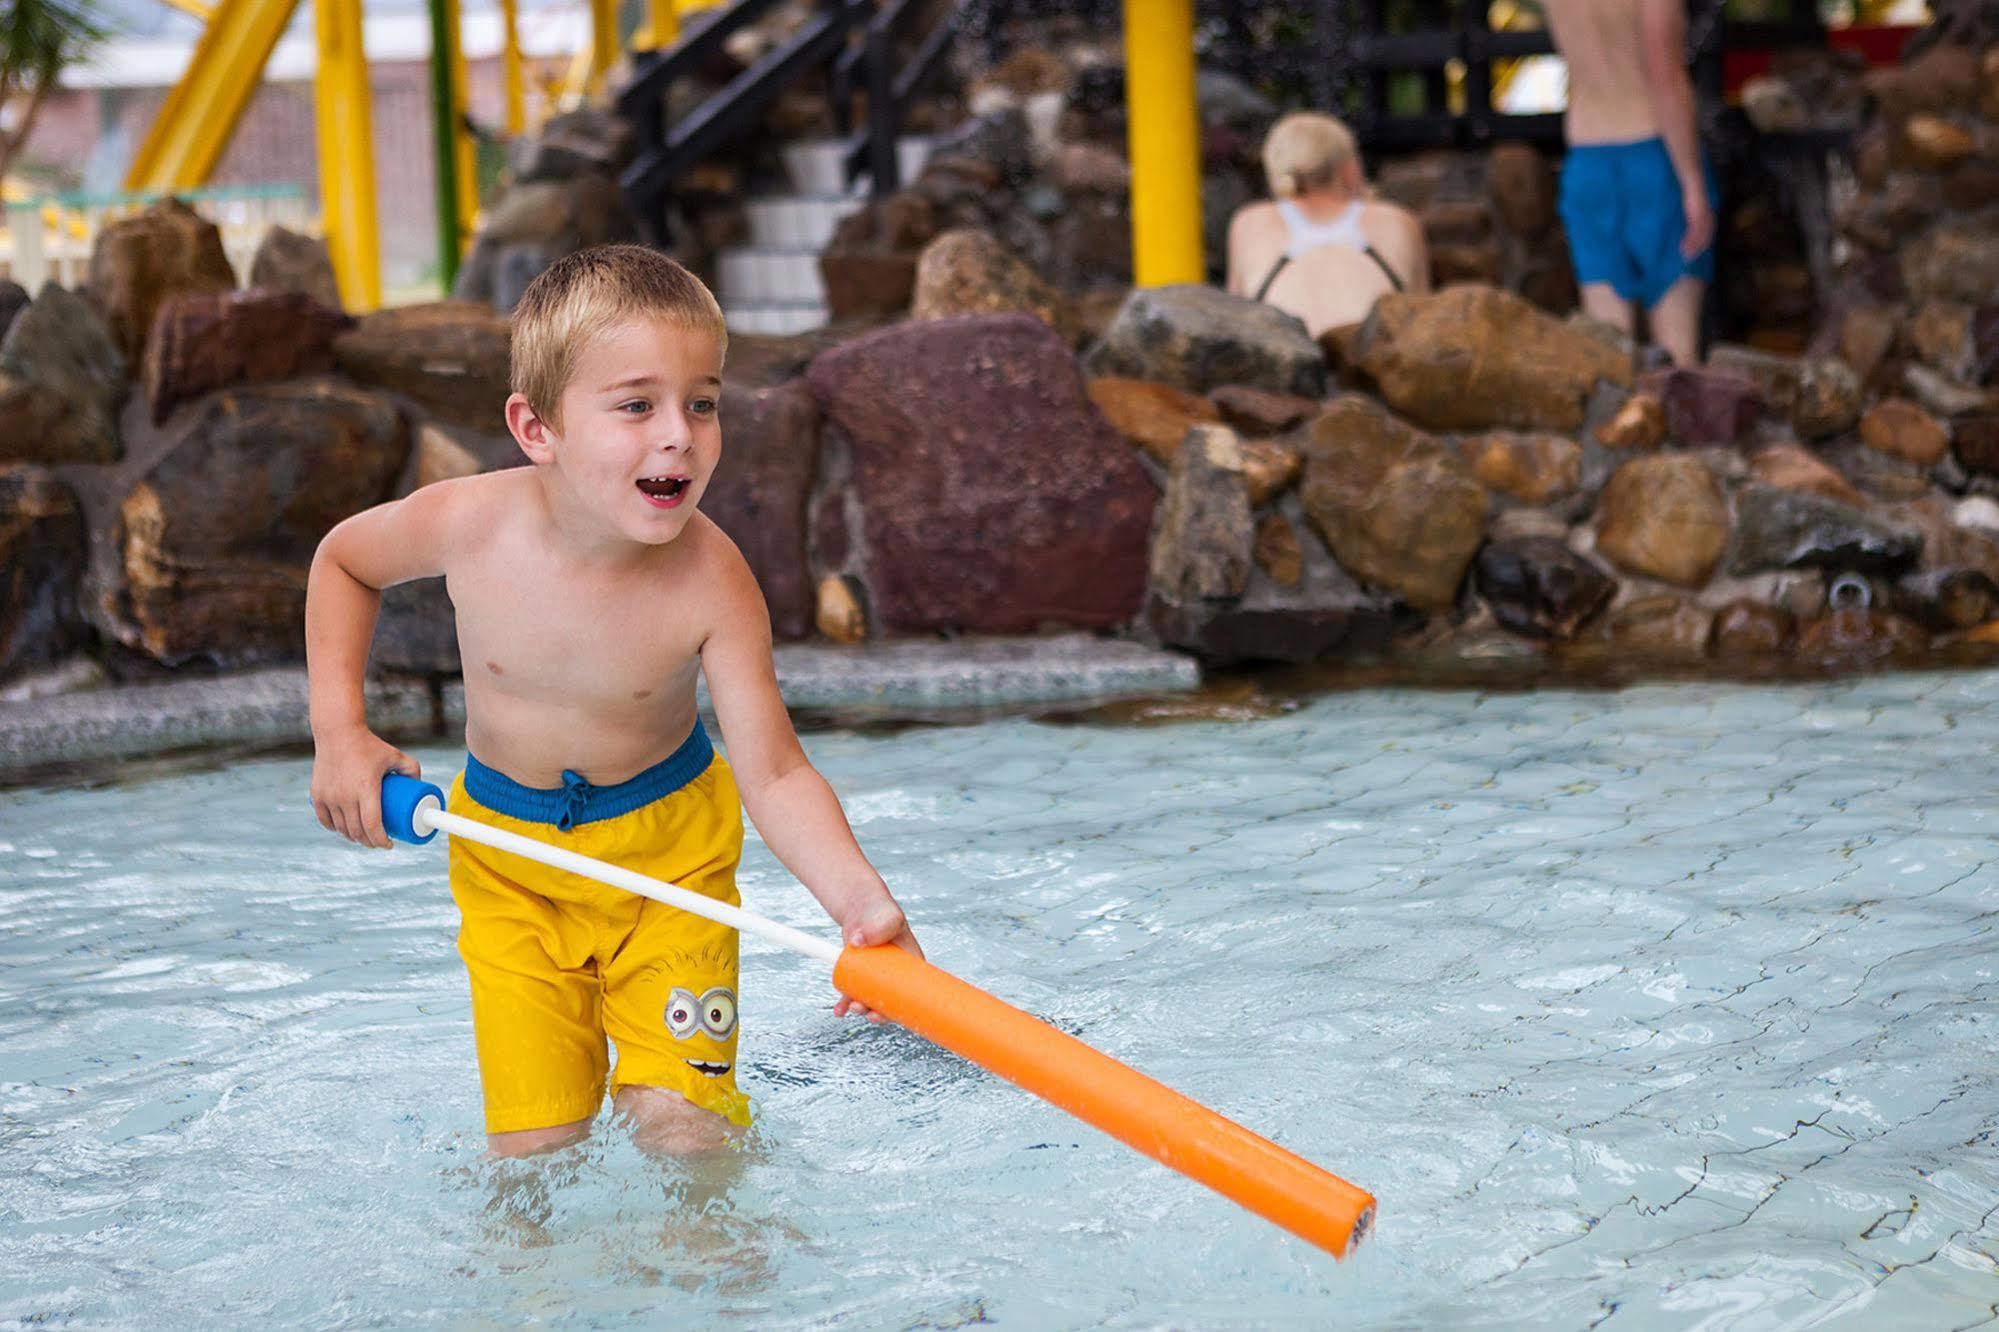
x: 427, y: 816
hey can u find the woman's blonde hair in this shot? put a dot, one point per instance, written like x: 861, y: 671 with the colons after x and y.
x: 1304, y: 151
x: 582, y: 296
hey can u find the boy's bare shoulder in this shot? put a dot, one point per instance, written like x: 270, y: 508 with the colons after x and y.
x: 727, y: 584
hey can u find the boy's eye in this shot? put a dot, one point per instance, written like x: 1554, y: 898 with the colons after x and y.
x: 635, y: 406
x: 702, y: 406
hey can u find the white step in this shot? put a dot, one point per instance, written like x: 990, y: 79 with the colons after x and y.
x: 746, y: 276
x: 777, y: 319
x: 818, y: 167
x: 797, y: 223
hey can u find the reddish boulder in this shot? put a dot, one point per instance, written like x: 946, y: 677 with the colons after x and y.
x: 141, y: 261
x: 994, y: 497
x: 450, y: 357
x: 209, y: 340
x: 1704, y: 406
x: 760, y: 493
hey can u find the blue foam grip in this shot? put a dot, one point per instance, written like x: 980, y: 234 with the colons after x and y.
x: 400, y: 797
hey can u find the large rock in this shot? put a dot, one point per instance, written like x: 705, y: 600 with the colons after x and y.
x: 1901, y: 429
x: 140, y: 261
x: 759, y: 494
x: 1792, y: 529
x: 1539, y: 587
x: 450, y: 357
x: 994, y: 497
x: 1704, y: 406
x: 1156, y: 417
x: 968, y: 272
x: 1397, y: 508
x: 210, y: 340
x: 1820, y: 396
x: 1956, y: 261
x: 586, y: 141
x: 1534, y: 468
x: 62, y: 381
x: 1796, y: 468
x: 1522, y: 185
x: 1664, y: 516
x: 1475, y: 358
x: 41, y: 566
x: 288, y: 261
x: 14, y: 298
x: 1202, y: 538
x: 216, y: 539
x: 1199, y: 339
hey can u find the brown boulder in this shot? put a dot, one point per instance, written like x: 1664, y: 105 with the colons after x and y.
x: 1955, y: 261
x: 1900, y: 428
x: 42, y: 555
x: 759, y: 494
x: 62, y: 381
x: 1398, y: 511
x: 1793, y: 468
x: 1534, y: 468
x: 1475, y: 358
x: 1976, y: 441
x: 1539, y: 587
x: 1639, y: 424
x: 1269, y: 468
x: 217, y: 537
x: 994, y: 497
x: 1867, y: 334
x: 209, y: 340
x: 1662, y: 628
x: 1202, y: 537
x: 287, y: 261
x: 141, y: 261
x: 968, y: 272
x: 1156, y: 417
x: 1277, y: 550
x: 1940, y: 334
x: 1931, y: 143
x: 1664, y: 516
x: 1750, y: 629
x: 450, y: 357
x: 1820, y: 396
x: 1522, y: 185
x: 1255, y: 411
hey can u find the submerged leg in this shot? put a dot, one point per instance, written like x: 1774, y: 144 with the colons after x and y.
x: 665, y: 1123
x: 532, y: 1142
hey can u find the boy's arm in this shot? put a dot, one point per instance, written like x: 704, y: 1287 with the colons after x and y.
x: 791, y: 804
x: 377, y: 548
x: 1662, y: 38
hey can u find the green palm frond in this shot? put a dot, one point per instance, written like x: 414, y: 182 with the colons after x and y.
x: 39, y: 37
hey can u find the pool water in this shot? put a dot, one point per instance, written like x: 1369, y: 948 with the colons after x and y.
x: 1672, y: 1007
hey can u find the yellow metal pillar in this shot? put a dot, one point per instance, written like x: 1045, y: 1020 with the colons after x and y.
x: 347, y: 153
x: 461, y: 132
x: 1165, y: 136
x: 193, y: 126
x: 510, y: 67
x: 603, y: 44
x: 661, y: 28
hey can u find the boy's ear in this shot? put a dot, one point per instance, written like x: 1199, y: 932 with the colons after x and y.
x: 532, y: 433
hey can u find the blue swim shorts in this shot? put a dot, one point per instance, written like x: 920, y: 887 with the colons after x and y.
x: 1620, y: 204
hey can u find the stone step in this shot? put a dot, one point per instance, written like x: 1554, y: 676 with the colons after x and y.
x: 817, y: 167
x: 749, y: 276
x: 797, y: 222
x: 776, y: 320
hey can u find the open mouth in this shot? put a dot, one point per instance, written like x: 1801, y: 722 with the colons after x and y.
x: 664, y: 491
x: 703, y: 1067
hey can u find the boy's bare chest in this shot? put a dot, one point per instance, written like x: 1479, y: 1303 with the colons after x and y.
x: 616, y: 645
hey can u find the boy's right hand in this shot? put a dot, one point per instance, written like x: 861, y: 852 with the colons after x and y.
x: 347, y: 772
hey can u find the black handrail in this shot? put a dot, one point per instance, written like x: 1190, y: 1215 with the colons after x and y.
x: 823, y: 40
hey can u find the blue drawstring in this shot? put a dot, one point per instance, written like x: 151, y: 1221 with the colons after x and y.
x: 576, y: 794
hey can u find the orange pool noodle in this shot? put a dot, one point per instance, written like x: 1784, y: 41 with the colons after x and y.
x: 1251, y: 1170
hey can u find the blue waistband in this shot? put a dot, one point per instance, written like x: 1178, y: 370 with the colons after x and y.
x: 576, y: 801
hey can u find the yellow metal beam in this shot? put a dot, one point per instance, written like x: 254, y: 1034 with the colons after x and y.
x: 347, y: 153
x: 194, y: 7
x: 194, y: 124
x: 461, y: 133
x: 510, y: 67
x: 603, y: 43
x: 1166, y: 245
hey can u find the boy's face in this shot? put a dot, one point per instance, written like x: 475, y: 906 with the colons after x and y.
x: 641, y: 431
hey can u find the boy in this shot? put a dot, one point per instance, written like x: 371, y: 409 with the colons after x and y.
x: 590, y: 592
x: 1637, y: 197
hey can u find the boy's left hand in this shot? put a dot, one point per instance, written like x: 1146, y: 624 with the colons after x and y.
x: 882, y: 923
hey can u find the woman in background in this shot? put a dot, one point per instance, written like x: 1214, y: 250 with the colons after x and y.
x: 1325, y: 250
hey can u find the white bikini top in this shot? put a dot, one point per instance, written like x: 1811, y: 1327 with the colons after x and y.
x: 1304, y: 234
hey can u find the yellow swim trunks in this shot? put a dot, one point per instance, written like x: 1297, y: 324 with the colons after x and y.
x: 559, y: 962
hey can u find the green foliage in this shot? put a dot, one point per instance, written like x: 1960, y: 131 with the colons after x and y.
x: 39, y: 37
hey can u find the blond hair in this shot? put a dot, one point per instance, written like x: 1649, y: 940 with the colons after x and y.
x: 582, y: 296
x: 1305, y: 151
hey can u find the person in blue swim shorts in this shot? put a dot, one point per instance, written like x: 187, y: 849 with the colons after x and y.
x: 1637, y: 194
